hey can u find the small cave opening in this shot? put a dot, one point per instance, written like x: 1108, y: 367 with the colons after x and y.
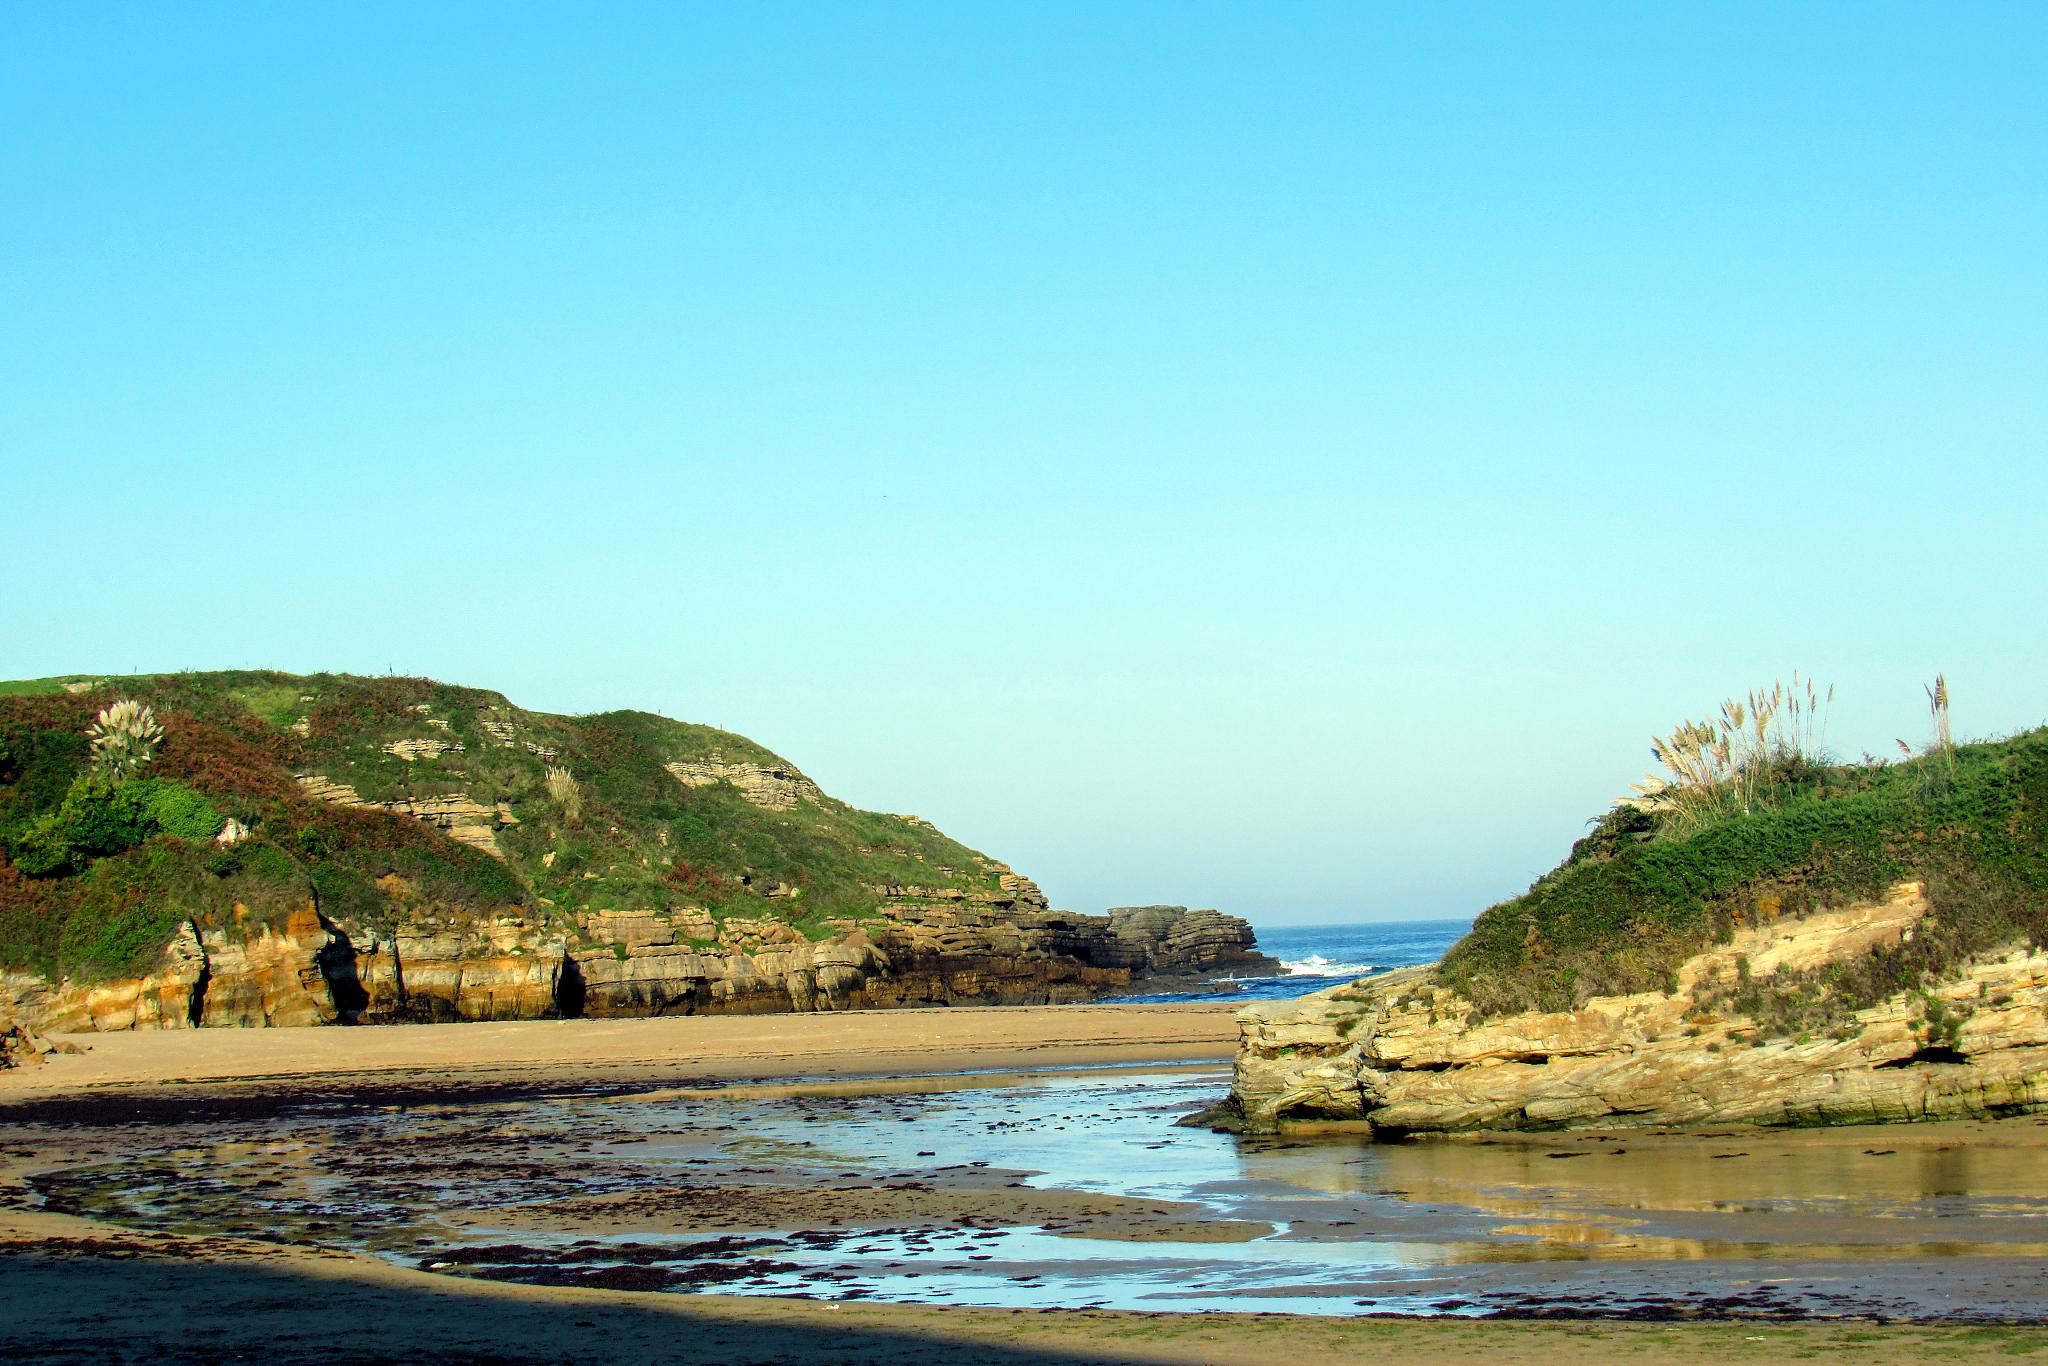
x: 1930, y: 1055
x: 571, y: 991
x: 337, y: 962
x: 1309, y: 1112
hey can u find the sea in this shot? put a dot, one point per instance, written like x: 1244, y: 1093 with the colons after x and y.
x: 1319, y: 956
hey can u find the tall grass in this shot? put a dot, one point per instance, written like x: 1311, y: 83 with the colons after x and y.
x: 566, y: 792
x: 1733, y: 762
x: 1944, y: 743
x: 124, y: 739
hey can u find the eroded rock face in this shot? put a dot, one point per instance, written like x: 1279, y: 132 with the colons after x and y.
x: 309, y: 970
x: 777, y: 789
x: 1173, y: 941
x: 930, y: 946
x: 926, y: 947
x: 463, y: 819
x: 503, y: 966
x: 162, y: 999
x: 1396, y: 1053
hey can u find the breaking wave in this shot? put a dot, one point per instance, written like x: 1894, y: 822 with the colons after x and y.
x: 1315, y: 965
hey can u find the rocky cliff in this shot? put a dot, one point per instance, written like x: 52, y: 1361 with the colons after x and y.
x: 311, y: 970
x: 1773, y: 939
x: 1400, y: 1054
x: 304, y: 849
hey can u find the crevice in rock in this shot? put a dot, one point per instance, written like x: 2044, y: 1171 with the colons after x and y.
x: 1932, y: 1054
x: 195, y: 1005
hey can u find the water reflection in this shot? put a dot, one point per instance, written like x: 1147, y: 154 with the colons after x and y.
x: 1065, y: 1189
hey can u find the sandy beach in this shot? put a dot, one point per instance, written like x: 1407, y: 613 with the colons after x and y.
x: 708, y: 1047
x: 151, y: 1206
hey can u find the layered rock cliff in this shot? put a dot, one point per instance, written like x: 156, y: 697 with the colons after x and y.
x: 1400, y: 1054
x: 311, y: 970
x: 1776, y: 940
x: 299, y: 850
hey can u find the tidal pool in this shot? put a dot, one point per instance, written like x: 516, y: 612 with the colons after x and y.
x: 1075, y: 1188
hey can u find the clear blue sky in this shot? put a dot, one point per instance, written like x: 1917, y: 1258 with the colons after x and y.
x: 1287, y: 458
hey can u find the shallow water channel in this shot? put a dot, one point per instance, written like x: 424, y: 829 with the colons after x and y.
x: 1076, y: 1188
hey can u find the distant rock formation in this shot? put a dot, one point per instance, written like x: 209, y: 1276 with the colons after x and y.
x: 1399, y: 1055
x: 1173, y: 941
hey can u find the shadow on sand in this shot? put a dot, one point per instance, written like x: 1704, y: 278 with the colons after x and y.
x: 84, y: 1300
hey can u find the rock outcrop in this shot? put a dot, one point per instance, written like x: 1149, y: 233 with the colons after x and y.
x: 776, y: 789
x: 1173, y: 941
x: 930, y: 946
x: 21, y: 1046
x: 1399, y: 1055
x: 309, y: 970
x: 470, y: 822
x: 927, y: 947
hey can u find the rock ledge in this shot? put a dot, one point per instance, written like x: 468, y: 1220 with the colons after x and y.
x: 1398, y: 1055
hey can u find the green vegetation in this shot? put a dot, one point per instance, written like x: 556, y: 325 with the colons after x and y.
x: 98, y: 817
x: 1659, y: 880
x: 101, y: 862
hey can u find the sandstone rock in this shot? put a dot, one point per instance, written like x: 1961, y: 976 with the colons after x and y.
x: 777, y: 789
x: 1173, y: 941
x: 470, y: 822
x: 21, y: 1046
x: 412, y: 751
x: 261, y: 975
x: 309, y: 970
x: 932, y: 946
x: 167, y: 998
x: 507, y: 966
x: 929, y: 945
x: 1400, y: 1055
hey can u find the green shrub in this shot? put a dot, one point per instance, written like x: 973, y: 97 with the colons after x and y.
x: 40, y: 849
x: 128, y: 908
x: 99, y: 818
x: 45, y: 753
x: 177, y: 810
x: 345, y: 894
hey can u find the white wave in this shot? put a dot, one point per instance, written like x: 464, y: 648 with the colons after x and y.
x: 1315, y: 965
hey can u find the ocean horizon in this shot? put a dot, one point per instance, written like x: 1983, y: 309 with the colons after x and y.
x: 1315, y: 957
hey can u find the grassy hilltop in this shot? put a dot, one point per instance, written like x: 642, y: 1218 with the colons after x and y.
x: 98, y: 867
x: 1763, y: 828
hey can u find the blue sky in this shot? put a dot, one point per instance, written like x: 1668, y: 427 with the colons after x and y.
x: 1284, y: 458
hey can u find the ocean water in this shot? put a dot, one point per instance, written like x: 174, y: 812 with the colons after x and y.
x: 1319, y: 956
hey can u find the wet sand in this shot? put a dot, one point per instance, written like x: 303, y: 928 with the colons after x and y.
x: 75, y: 1292
x: 512, y: 1195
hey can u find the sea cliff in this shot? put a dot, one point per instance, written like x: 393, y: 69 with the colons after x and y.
x: 294, y: 850
x: 1804, y: 943
x: 1400, y: 1055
